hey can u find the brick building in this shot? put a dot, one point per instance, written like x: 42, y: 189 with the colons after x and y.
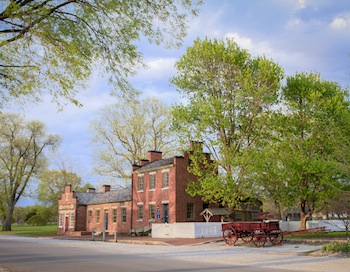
x: 82, y: 212
x: 159, y: 191
x: 157, y: 194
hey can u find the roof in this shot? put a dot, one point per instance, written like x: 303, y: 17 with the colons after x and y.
x: 155, y: 165
x: 215, y: 211
x: 113, y: 196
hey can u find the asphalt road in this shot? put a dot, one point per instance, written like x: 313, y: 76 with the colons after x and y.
x: 40, y: 254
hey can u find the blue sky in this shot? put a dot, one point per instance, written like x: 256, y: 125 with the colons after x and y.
x: 302, y: 36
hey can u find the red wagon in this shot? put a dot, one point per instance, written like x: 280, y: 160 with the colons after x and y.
x: 258, y: 232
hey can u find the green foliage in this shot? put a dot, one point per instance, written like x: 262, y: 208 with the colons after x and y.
x: 306, y: 159
x: 336, y: 247
x: 53, y: 46
x: 229, y: 94
x: 37, y: 220
x: 21, y: 159
x: 51, y: 185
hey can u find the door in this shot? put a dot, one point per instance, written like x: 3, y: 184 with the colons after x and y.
x: 66, y: 223
x: 166, y: 213
x: 106, y: 220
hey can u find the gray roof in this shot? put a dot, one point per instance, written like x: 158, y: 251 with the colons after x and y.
x: 113, y: 196
x: 155, y: 165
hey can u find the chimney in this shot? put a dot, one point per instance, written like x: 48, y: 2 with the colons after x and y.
x: 135, y: 167
x: 106, y: 188
x: 68, y: 188
x: 143, y: 162
x: 154, y: 156
x: 90, y: 190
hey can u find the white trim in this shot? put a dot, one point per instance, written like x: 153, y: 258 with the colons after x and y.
x: 165, y: 202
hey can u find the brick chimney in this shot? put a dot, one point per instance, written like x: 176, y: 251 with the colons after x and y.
x: 106, y: 188
x: 90, y: 190
x: 154, y: 156
x: 143, y: 162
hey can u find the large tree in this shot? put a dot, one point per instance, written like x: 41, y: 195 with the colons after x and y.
x: 52, y: 46
x: 21, y: 159
x: 306, y: 160
x: 125, y: 131
x: 228, y: 93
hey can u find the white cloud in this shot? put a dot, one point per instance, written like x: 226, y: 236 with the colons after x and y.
x: 341, y: 22
x: 158, y: 68
x: 243, y: 42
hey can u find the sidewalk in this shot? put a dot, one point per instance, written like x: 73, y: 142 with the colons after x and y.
x: 146, y: 240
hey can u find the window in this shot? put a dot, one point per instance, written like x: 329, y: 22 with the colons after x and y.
x: 124, y: 215
x: 60, y: 220
x: 139, y: 212
x: 152, y: 209
x: 190, y: 210
x: 90, y: 217
x: 140, y: 187
x: 152, y: 181
x: 71, y: 220
x: 165, y: 179
x: 114, y: 215
x: 97, y: 216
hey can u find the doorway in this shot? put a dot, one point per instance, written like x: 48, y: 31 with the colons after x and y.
x: 106, y: 220
x: 166, y: 213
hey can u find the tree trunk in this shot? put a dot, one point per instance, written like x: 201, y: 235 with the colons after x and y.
x: 303, y: 215
x: 8, y: 220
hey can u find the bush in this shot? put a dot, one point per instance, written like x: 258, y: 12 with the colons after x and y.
x: 336, y: 247
x: 37, y: 220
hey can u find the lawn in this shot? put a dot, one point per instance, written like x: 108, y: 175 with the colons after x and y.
x: 31, y: 230
x: 318, y: 235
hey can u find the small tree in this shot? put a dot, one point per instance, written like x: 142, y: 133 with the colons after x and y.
x: 21, y: 159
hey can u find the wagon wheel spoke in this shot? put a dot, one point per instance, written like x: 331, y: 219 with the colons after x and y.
x: 230, y: 236
x: 247, y: 236
x: 259, y: 237
x: 276, y: 236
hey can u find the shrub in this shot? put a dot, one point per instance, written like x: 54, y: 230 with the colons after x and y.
x: 336, y: 247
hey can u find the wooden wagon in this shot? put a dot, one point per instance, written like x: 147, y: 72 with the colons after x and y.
x: 258, y: 232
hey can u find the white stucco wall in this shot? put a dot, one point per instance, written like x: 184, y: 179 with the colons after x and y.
x: 213, y: 229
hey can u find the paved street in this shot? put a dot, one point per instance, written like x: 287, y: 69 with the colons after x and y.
x: 45, y: 254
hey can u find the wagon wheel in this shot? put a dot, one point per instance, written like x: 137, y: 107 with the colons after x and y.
x: 247, y: 236
x: 230, y: 236
x: 259, y: 237
x: 276, y: 236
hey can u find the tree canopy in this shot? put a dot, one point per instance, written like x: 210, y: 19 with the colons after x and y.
x: 306, y: 159
x: 125, y: 131
x: 21, y: 159
x: 228, y: 93
x: 52, y: 47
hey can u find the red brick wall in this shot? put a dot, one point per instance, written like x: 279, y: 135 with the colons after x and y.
x: 108, y: 208
x: 67, y: 205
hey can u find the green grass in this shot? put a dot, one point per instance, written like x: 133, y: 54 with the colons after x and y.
x: 336, y: 247
x: 318, y: 235
x: 31, y: 230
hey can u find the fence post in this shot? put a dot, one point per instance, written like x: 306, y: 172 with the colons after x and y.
x: 115, y: 235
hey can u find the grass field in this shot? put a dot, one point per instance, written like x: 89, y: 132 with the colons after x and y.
x: 31, y: 230
x: 320, y: 235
